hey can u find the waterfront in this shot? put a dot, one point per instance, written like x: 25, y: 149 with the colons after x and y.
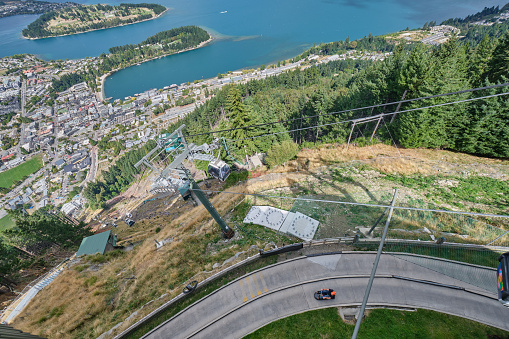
x: 276, y: 31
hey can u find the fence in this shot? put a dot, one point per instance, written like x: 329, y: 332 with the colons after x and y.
x: 339, y: 216
x: 426, y: 238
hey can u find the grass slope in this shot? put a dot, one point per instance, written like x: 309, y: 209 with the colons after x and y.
x: 6, y: 223
x: 9, y: 177
x: 327, y: 323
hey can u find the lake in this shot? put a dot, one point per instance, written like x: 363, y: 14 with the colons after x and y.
x: 248, y: 34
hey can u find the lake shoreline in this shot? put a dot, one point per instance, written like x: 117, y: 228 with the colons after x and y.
x: 97, y: 29
x: 101, y: 94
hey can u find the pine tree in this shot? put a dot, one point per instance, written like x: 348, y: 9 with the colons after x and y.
x: 272, y: 109
x: 42, y: 227
x: 240, y: 115
x: 414, y: 72
x: 499, y: 63
x: 488, y: 130
x: 8, y: 261
x: 319, y: 105
x: 478, y: 61
x: 438, y: 127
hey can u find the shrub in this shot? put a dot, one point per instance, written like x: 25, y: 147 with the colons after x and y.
x: 282, y: 152
x: 235, y: 177
x: 114, y: 254
x: 96, y: 258
x: 81, y: 268
x: 90, y: 281
x: 362, y: 142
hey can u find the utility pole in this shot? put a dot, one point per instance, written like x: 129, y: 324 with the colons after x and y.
x: 350, y: 136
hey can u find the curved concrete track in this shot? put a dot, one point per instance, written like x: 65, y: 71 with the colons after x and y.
x: 286, y: 288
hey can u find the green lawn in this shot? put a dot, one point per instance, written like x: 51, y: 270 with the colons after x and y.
x: 6, y: 223
x: 9, y: 177
x: 380, y: 323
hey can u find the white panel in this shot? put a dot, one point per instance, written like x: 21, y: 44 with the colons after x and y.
x: 296, y: 224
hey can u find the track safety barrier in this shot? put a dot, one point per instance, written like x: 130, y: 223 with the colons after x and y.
x: 284, y: 249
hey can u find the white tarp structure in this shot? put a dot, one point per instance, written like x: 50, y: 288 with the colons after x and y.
x: 295, y: 224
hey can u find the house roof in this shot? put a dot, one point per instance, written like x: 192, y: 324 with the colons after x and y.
x: 95, y: 244
x: 70, y: 168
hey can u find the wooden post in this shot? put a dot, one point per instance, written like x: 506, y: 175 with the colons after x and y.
x: 376, y: 127
x: 399, y: 106
x: 350, y: 136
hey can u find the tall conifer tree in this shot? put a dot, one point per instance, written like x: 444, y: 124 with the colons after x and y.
x: 499, y: 63
x: 240, y: 115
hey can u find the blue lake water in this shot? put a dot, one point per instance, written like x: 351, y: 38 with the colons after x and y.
x: 252, y: 33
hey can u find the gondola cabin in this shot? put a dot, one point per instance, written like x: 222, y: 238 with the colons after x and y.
x: 503, y: 279
x: 219, y: 169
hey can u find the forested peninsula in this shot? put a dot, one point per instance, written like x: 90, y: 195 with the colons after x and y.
x: 164, y: 43
x: 84, y: 18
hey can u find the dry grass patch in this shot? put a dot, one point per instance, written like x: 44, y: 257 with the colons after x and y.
x: 390, y: 159
x: 400, y: 165
x: 103, y: 294
x: 73, y: 295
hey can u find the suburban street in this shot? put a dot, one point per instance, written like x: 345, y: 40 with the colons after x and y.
x: 22, y: 127
x: 93, y: 166
x: 287, y: 288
